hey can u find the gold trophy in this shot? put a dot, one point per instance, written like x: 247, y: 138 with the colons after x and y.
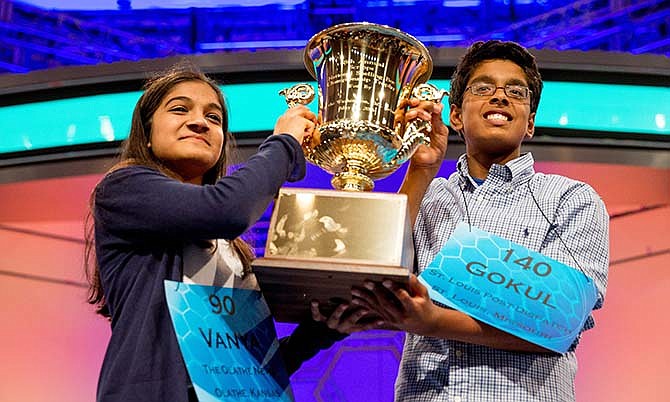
x: 323, y: 242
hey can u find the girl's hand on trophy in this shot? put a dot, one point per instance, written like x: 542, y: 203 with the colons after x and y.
x: 298, y: 121
x: 347, y: 319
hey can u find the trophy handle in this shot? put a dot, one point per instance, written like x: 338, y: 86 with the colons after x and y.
x: 302, y: 94
x: 416, y: 132
x: 429, y: 92
x: 298, y: 94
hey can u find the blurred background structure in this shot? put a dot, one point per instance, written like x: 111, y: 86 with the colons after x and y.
x: 41, y: 34
x: 71, y: 71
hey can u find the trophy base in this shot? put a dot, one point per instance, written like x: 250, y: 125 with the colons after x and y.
x: 321, y: 243
x: 289, y: 286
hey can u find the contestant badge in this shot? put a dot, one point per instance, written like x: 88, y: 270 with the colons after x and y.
x: 511, y: 287
x: 229, y: 344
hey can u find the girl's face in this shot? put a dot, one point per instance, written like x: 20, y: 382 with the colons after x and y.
x: 186, y: 130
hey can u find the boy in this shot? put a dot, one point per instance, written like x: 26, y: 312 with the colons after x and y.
x: 448, y: 355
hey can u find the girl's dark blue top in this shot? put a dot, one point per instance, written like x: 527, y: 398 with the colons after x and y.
x: 142, y: 220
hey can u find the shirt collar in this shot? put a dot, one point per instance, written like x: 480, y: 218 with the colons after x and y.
x: 515, y: 171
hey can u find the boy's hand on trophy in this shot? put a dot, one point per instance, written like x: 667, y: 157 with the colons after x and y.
x: 399, y: 307
x: 297, y: 121
x: 429, y: 156
x: 346, y: 318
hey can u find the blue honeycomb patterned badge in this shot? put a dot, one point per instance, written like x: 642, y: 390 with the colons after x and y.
x: 511, y: 288
x: 229, y: 344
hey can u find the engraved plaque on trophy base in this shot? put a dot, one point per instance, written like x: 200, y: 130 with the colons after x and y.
x: 323, y: 242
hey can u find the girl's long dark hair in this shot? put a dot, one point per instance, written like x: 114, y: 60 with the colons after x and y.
x: 135, y: 151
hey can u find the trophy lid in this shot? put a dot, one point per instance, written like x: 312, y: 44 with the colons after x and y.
x: 362, y: 27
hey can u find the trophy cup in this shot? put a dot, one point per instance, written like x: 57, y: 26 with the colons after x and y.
x: 323, y: 242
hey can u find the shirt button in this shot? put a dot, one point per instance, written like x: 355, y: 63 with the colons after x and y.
x: 480, y: 198
x: 457, y: 399
x: 459, y: 353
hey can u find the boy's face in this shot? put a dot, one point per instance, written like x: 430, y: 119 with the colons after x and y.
x: 494, y: 125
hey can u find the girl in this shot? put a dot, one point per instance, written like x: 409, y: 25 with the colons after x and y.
x: 155, y: 215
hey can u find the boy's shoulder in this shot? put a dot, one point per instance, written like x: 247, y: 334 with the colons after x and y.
x: 559, y: 180
x: 563, y: 186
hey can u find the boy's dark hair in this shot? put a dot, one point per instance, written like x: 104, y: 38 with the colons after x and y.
x: 492, y: 50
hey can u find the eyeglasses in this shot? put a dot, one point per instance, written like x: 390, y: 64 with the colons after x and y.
x: 519, y: 92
